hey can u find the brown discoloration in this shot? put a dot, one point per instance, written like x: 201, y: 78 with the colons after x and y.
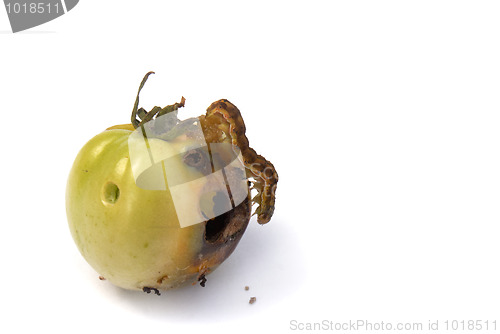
x: 218, y: 248
x: 161, y: 279
x: 247, y: 288
x: 228, y: 226
x: 252, y: 300
x: 223, y: 124
x: 102, y: 278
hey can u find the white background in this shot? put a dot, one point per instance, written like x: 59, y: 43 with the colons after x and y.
x: 381, y: 117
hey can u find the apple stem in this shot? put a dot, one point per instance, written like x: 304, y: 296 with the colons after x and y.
x: 140, y: 116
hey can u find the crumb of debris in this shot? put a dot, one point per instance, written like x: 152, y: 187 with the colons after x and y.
x: 252, y: 300
x: 102, y: 278
x: 148, y: 290
x: 247, y: 288
x: 202, y: 279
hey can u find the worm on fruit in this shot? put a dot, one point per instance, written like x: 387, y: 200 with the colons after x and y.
x: 223, y: 123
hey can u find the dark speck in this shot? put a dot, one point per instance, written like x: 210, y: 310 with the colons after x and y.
x: 148, y: 290
x: 202, y: 279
